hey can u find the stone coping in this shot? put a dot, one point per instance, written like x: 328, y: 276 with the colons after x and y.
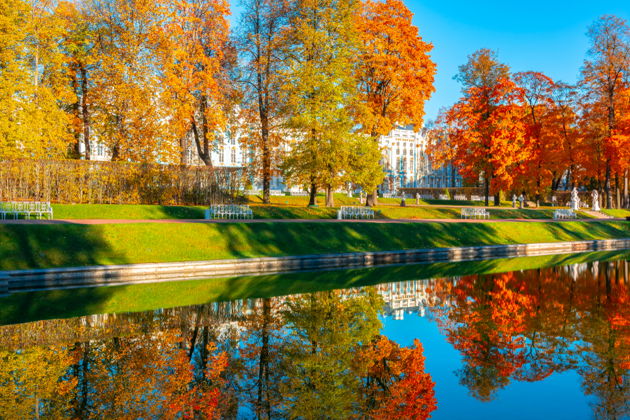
x: 108, y: 275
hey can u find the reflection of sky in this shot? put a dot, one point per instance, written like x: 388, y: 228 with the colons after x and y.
x: 557, y: 397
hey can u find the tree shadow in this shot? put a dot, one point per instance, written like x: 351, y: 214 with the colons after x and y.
x: 42, y: 246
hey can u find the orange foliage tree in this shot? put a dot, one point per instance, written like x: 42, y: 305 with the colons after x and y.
x: 485, y: 131
x: 604, y: 78
x: 541, y: 143
x: 394, y: 70
x: 196, y: 47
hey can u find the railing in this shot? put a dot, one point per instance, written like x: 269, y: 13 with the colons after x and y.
x: 476, y: 213
x: 355, y: 212
x: 28, y: 209
x: 229, y: 211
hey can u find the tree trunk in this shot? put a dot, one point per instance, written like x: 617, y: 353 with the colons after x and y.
x: 371, y: 199
x: 200, y: 134
x: 313, y: 194
x: 486, y: 188
x: 85, y: 114
x: 497, y: 199
x: 609, y: 199
x: 617, y: 192
x: 626, y: 196
x: 330, y: 199
x: 266, y: 157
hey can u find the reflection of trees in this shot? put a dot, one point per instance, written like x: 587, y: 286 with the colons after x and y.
x: 326, y: 334
x: 527, y: 325
x: 30, y: 384
x: 267, y: 358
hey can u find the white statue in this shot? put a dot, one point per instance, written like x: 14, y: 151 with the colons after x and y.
x: 575, y: 199
x: 521, y: 199
x: 595, y: 197
x: 513, y: 201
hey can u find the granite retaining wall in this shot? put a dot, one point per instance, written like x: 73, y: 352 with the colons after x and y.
x: 91, y: 276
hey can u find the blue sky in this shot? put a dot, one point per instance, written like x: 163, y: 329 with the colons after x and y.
x: 538, y: 35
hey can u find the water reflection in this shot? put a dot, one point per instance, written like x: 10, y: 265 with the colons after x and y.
x: 324, y: 355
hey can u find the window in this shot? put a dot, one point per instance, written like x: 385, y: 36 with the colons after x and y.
x: 221, y: 155
x: 233, y: 155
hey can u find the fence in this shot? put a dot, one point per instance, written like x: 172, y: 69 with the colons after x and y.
x: 116, y: 183
x: 462, y: 193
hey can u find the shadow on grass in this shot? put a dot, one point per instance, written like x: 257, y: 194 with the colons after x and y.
x: 28, y: 247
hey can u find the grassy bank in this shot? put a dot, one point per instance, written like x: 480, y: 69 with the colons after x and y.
x: 40, y: 246
x: 26, y: 307
x: 115, y: 211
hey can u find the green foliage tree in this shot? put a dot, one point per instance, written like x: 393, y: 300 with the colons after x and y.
x: 319, y: 91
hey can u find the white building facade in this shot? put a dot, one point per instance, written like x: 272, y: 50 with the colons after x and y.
x: 407, y: 164
x: 405, y: 160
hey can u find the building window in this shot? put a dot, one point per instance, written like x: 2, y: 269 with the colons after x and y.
x: 233, y: 155
x: 221, y: 155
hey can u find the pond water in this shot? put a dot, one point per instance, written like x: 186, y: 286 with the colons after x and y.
x: 550, y: 342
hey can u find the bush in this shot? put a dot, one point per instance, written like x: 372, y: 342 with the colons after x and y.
x: 74, y: 181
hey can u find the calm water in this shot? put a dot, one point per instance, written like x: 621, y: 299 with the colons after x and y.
x: 549, y: 343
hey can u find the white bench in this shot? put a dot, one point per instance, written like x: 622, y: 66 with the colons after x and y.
x: 298, y: 193
x: 564, y: 214
x: 229, y: 211
x: 459, y: 197
x: 355, y: 212
x: 476, y: 213
x: 28, y: 209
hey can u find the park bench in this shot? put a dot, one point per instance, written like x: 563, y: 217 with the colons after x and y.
x: 459, y: 197
x: 355, y: 212
x: 229, y: 211
x: 28, y: 209
x: 298, y: 193
x: 476, y: 213
x: 564, y: 214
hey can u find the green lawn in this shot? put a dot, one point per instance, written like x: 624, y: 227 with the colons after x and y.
x: 39, y: 246
x: 26, y: 307
x: 617, y: 212
x: 128, y: 211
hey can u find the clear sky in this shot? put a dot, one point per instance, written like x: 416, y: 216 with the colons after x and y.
x: 538, y: 35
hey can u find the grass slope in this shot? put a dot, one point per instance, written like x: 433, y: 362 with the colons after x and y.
x: 128, y: 211
x: 40, y: 246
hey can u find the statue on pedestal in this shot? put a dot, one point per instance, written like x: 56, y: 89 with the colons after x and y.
x: 575, y: 199
x: 513, y: 201
x: 595, y: 197
x: 521, y: 198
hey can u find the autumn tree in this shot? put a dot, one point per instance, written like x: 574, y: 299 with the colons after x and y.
x: 32, y: 125
x: 319, y: 92
x: 130, y: 114
x: 540, y: 141
x: 78, y: 45
x: 486, y: 133
x: 564, y: 119
x: 394, y: 72
x: 261, y: 45
x: 195, y: 74
x: 604, y: 75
